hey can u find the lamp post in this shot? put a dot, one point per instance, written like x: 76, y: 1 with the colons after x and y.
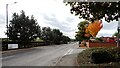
x: 7, y: 17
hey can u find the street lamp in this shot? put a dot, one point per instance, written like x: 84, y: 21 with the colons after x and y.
x: 7, y: 17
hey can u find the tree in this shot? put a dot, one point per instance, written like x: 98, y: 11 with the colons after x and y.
x: 65, y: 39
x: 53, y: 36
x: 82, y: 31
x: 57, y: 36
x: 22, y: 28
x: 94, y: 27
x: 47, y: 35
x: 116, y: 34
x: 96, y: 10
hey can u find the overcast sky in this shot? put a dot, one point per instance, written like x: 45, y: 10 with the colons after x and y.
x: 52, y: 13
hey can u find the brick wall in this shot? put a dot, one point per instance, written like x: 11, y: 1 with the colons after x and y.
x: 101, y: 44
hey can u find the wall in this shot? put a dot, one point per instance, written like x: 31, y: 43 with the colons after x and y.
x: 101, y: 44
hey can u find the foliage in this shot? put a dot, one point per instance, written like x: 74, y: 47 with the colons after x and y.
x: 46, y: 34
x: 65, y: 39
x: 72, y: 40
x: 5, y: 39
x: 57, y: 36
x: 116, y: 34
x: 38, y: 40
x: 22, y: 28
x: 101, y: 56
x: 109, y: 52
x: 87, y: 30
x: 81, y: 31
x: 53, y: 36
x: 25, y: 29
x: 99, y: 39
x: 96, y: 10
x: 94, y: 28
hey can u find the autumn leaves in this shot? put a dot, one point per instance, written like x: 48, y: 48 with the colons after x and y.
x: 88, y: 29
x: 93, y: 28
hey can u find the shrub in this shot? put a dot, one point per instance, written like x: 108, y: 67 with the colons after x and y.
x: 101, y: 56
x: 99, y: 39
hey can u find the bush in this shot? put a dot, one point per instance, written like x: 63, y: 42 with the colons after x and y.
x: 99, y: 39
x: 101, y: 56
x: 116, y: 53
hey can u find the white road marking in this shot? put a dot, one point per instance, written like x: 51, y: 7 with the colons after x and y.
x: 68, y: 52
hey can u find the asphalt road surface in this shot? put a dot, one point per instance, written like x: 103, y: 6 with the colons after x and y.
x: 51, y: 55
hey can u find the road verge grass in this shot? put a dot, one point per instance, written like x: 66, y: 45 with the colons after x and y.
x: 84, y: 58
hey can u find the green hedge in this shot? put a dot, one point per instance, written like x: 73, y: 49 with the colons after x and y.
x: 102, y: 55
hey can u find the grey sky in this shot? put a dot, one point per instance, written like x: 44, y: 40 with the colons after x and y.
x: 63, y: 25
x: 52, y: 13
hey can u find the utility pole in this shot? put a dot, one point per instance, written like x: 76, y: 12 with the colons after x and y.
x: 118, y: 32
x: 7, y: 19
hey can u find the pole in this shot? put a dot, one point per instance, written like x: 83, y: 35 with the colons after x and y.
x: 118, y: 32
x: 7, y: 19
x: 118, y: 37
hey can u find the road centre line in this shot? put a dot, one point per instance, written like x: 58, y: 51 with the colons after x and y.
x: 68, y: 52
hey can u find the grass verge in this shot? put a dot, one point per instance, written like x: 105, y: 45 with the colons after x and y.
x: 84, y: 58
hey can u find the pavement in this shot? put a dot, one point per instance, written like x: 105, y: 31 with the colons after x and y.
x: 68, y: 60
x: 52, y: 55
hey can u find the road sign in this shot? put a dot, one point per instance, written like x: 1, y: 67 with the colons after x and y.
x: 12, y: 46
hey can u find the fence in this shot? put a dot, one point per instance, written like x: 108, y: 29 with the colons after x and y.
x: 23, y: 44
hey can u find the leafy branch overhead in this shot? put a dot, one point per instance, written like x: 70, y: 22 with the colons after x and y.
x: 96, y: 10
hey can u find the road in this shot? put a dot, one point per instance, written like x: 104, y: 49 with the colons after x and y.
x: 41, y: 56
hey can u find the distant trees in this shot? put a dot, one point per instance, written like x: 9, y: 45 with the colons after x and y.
x: 53, y: 36
x: 23, y: 28
x: 65, y: 39
x: 46, y: 34
x: 57, y: 36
